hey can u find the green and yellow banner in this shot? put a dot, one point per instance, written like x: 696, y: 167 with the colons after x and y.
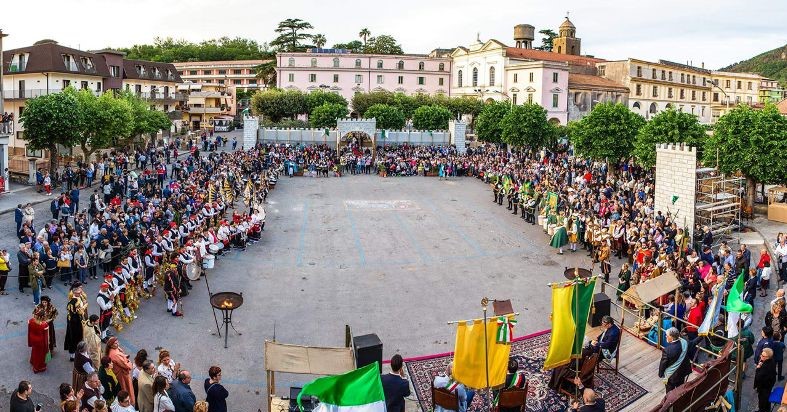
x: 571, y: 304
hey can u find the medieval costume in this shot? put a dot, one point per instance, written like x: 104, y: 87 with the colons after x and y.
x: 76, y: 310
x: 50, y: 313
x: 38, y: 341
x: 560, y: 237
x: 121, y: 366
x: 92, y: 336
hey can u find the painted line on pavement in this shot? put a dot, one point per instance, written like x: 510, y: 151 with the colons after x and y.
x: 450, y: 224
x: 412, y: 238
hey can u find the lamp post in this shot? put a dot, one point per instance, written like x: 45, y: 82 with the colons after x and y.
x: 2, y: 89
x: 726, y: 97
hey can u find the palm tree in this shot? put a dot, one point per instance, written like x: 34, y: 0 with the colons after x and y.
x: 365, y: 33
x: 319, y: 40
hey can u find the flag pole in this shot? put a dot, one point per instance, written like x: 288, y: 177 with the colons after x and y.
x: 484, y: 304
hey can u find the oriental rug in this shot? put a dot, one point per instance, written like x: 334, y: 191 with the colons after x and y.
x: 530, y: 351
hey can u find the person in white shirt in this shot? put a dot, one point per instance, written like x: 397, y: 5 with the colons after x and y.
x: 781, y: 256
x: 446, y: 381
x: 162, y: 401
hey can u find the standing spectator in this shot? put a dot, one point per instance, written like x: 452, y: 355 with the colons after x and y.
x: 92, y: 392
x: 781, y: 257
x: 74, y: 200
x: 123, y: 403
x: 5, y: 267
x: 764, y: 379
x: 48, y: 184
x: 778, y: 354
x: 20, y: 399
x: 146, y: 396
x: 180, y: 392
x: 776, y: 318
x: 162, y: 401
x: 19, y: 214
x: 167, y: 367
x: 23, y: 259
x: 121, y: 366
x: 216, y: 394
x: 395, y: 386
x: 766, y: 341
x: 36, y: 270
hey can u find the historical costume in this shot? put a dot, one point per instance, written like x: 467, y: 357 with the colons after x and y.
x: 560, y: 237
x: 83, y: 367
x: 624, y: 281
x: 76, y: 311
x: 92, y: 336
x: 121, y: 366
x: 106, y: 302
x: 50, y: 313
x: 38, y: 341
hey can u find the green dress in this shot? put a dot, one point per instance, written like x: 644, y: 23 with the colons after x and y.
x: 560, y: 237
x: 625, y: 283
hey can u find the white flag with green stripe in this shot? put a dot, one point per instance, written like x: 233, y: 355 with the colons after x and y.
x: 360, y: 390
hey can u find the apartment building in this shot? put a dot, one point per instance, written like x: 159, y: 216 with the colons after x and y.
x: 234, y: 73
x: 771, y: 91
x: 205, y: 105
x: 730, y: 89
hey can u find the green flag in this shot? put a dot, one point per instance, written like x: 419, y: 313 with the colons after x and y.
x: 360, y: 390
x: 735, y: 301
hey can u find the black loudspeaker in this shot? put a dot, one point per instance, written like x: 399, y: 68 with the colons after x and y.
x: 601, y: 307
x: 368, y: 349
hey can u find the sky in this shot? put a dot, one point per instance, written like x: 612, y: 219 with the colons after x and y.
x: 716, y: 33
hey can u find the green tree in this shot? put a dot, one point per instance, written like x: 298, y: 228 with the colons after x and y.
x: 382, y: 44
x: 354, y: 46
x: 108, y: 119
x: 318, y: 98
x: 546, y: 41
x: 527, y: 126
x: 291, y: 35
x: 266, y: 72
x: 431, y: 117
x: 364, y: 34
x: 361, y: 102
x: 489, y: 124
x: 146, y: 121
x: 669, y: 126
x: 607, y: 133
x: 171, y: 50
x: 276, y: 104
x: 319, y: 40
x: 752, y: 142
x: 387, y: 117
x: 407, y: 104
x: 52, y: 120
x: 325, y: 116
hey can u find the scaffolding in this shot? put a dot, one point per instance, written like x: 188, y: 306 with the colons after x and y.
x: 718, y: 203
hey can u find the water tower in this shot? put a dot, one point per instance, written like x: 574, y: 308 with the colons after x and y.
x: 524, y: 34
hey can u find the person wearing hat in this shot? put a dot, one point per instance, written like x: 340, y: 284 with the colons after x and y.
x: 38, y: 340
x: 76, y: 311
x: 105, y: 300
x: 50, y: 314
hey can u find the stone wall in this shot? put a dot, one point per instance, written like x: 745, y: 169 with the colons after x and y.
x: 676, y: 175
x: 250, y: 126
x: 297, y: 136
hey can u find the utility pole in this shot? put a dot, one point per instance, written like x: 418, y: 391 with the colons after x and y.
x: 2, y: 63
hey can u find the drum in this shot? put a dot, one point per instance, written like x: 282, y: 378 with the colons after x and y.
x: 551, y: 230
x: 214, y: 248
x: 193, y: 271
x: 541, y: 219
x: 208, y: 261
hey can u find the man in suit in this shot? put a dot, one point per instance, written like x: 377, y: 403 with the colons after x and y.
x: 607, y: 342
x: 676, y: 357
x: 18, y: 217
x: 514, y: 379
x: 764, y: 379
x: 591, y: 402
x: 395, y: 386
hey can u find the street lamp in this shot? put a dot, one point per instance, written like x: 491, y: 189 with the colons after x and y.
x: 726, y: 97
x: 2, y: 91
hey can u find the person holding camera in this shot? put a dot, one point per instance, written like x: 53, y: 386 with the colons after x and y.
x: 20, y: 399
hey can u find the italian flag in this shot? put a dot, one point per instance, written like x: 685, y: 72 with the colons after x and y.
x: 360, y: 390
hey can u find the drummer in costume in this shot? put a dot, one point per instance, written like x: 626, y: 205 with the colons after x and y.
x: 185, y: 257
x: 172, y: 285
x: 76, y: 313
x: 150, y: 268
x: 106, y: 301
x: 560, y: 237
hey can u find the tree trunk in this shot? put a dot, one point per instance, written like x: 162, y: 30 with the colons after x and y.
x: 88, y: 153
x: 750, y: 188
x: 53, y: 158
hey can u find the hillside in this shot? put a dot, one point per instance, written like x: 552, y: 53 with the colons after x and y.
x: 771, y: 64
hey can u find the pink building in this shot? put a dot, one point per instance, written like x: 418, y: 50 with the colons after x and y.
x: 348, y: 73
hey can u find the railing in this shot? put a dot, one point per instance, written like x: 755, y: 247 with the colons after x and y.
x: 32, y: 93
x: 197, y: 109
x: 161, y: 96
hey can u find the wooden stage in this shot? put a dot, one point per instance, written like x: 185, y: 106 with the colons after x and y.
x: 639, y: 362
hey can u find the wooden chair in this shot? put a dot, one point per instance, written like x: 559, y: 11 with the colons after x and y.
x: 444, y: 398
x: 512, y: 398
x: 601, y: 366
x: 586, y: 372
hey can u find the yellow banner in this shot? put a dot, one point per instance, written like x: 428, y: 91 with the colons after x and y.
x: 469, y: 359
x: 563, y: 327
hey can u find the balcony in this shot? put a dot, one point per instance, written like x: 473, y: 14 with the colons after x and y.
x: 203, y: 109
x: 32, y: 93
x: 161, y: 96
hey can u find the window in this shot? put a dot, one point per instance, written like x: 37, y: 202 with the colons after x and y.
x: 737, y: 99
x: 693, y: 95
x: 237, y: 71
x: 727, y: 84
x: 98, y: 87
x: 379, y: 79
x: 314, y: 62
x: 400, y: 65
x: 400, y: 80
x: 67, y: 83
x: 653, y: 74
x: 475, y: 76
x: 441, y: 67
x: 639, y: 71
x: 531, y: 77
x: 291, y: 77
x: 420, y: 65
x: 748, y: 86
x: 669, y: 92
x: 715, y: 97
x: 83, y: 85
x: 703, y: 111
x: 555, y: 100
x: 748, y: 99
x: 291, y: 62
x: 379, y: 64
x: 602, y: 70
x: 513, y: 99
x: 237, y: 81
x: 221, y: 81
x: 682, y: 77
x: 458, y: 78
x: 222, y: 72
x: 663, y: 75
x: 252, y: 81
x: 693, y: 79
x: 420, y: 80
x: 530, y: 98
x: 682, y: 94
x: 554, y: 77
x: 207, y: 72
x: 336, y: 78
x: 336, y: 62
x: 669, y: 76
x: 655, y: 91
x: 638, y: 90
x: 312, y: 77
x: 635, y: 106
x: 358, y: 78
x: 357, y: 62
x: 704, y: 96
x: 739, y: 84
x: 440, y: 81
x: 492, y: 76
x: 191, y: 72
x: 515, y: 78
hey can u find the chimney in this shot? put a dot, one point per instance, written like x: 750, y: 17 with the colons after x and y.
x: 703, y: 65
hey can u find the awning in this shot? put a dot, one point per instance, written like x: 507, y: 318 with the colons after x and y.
x: 652, y: 289
x: 280, y: 357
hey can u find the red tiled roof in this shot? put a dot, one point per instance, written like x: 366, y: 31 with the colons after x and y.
x: 532, y: 54
x: 576, y: 80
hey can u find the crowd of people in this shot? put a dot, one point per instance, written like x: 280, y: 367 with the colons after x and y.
x: 142, y: 230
